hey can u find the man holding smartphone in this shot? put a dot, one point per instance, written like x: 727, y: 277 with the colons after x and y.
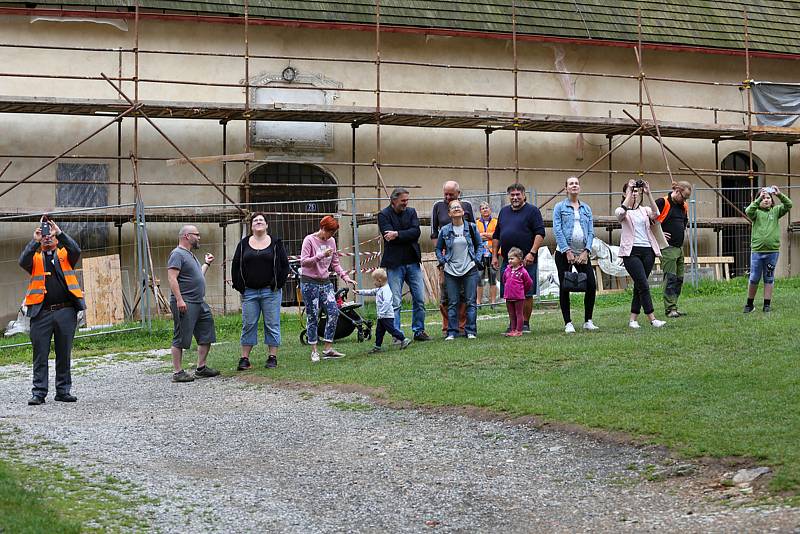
x: 53, y: 300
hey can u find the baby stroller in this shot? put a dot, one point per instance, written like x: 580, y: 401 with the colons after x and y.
x: 349, y: 318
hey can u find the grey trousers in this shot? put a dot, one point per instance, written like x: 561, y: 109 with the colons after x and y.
x: 61, y: 325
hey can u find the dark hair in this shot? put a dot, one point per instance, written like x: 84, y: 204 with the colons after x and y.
x: 258, y: 214
x: 397, y: 192
x: 515, y: 187
x: 329, y: 224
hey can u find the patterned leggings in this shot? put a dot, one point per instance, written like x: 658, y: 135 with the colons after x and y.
x: 315, y: 296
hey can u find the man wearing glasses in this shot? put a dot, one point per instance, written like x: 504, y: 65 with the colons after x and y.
x: 190, y: 313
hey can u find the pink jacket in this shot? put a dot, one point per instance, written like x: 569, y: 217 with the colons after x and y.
x: 626, y: 239
x: 515, y: 283
x: 314, y: 262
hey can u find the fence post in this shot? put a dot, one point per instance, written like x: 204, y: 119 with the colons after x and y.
x: 693, y: 238
x: 143, y: 264
x: 538, y: 285
x: 356, y: 249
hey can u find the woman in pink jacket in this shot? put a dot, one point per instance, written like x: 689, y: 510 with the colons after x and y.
x: 318, y: 257
x: 638, y: 247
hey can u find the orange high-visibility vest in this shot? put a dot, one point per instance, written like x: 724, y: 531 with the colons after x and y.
x: 663, y: 215
x: 36, y: 287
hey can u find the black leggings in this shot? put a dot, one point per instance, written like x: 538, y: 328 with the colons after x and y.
x: 639, y: 264
x: 563, y: 296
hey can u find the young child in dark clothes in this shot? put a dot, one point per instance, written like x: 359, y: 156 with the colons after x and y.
x: 383, y: 303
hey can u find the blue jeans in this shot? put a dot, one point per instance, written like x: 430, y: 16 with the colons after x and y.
x: 763, y: 264
x: 411, y: 274
x: 315, y: 296
x: 256, y: 302
x: 468, y: 284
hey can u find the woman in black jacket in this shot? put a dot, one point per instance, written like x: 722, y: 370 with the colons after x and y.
x: 259, y: 270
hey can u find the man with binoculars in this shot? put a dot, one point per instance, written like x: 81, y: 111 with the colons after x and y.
x: 53, y: 299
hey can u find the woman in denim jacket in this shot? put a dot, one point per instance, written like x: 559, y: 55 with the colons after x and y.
x: 573, y: 227
x: 458, y: 251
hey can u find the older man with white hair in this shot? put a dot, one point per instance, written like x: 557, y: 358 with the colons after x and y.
x: 439, y: 219
x: 191, y: 315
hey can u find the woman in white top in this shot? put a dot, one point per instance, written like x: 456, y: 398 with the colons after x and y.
x: 638, y: 247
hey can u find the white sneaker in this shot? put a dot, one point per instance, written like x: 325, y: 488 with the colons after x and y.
x: 633, y: 324
x: 658, y: 324
x: 315, y: 356
x: 471, y: 336
x: 449, y: 338
x: 569, y: 329
x: 589, y: 325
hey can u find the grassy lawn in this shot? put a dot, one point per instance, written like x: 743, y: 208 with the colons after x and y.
x: 715, y: 383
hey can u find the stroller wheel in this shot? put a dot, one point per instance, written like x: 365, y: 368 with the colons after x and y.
x: 368, y: 333
x: 303, y: 338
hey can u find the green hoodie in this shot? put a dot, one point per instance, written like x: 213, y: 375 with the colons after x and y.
x: 766, y: 233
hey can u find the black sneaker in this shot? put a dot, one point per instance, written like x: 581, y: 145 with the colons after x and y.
x: 182, y: 376
x: 766, y: 308
x: 205, y: 372
x: 272, y: 362
x: 65, y: 397
x: 35, y: 400
x: 748, y: 308
x: 244, y: 364
x: 422, y: 336
x: 526, y: 328
x: 375, y: 350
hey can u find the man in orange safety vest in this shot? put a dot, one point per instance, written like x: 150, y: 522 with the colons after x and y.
x: 53, y: 300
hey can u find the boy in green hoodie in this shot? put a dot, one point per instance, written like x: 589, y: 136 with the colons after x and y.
x: 765, y: 242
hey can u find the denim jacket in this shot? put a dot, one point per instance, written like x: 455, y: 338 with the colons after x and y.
x: 564, y: 219
x: 444, y: 245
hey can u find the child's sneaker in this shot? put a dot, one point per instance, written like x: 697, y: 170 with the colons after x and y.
x: 375, y: 350
x: 569, y: 328
x: 405, y: 343
x: 516, y: 333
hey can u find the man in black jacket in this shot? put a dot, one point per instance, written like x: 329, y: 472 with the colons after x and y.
x: 399, y: 226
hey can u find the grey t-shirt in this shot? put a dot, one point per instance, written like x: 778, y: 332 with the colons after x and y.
x: 191, y: 281
x: 460, y: 263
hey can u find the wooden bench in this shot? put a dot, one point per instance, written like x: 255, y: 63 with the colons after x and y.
x: 721, y: 265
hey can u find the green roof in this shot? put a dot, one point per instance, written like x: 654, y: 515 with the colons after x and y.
x: 774, y: 24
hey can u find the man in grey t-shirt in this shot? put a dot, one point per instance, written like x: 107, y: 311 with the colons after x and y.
x: 191, y: 315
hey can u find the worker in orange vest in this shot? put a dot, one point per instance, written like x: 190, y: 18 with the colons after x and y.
x: 53, y: 300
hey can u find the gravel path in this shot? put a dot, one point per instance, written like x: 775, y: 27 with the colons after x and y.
x: 221, y: 455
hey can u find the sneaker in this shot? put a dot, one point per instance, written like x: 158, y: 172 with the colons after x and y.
x: 422, y: 336
x: 449, y: 338
x: 244, y: 364
x: 766, y: 308
x: 658, y: 324
x: 674, y: 314
x: 182, y: 376
x: 589, y: 325
x: 396, y: 342
x: 526, y: 328
x: 516, y: 333
x: 375, y: 350
x: 332, y: 354
x: 633, y: 324
x: 205, y: 372
x: 569, y: 328
x: 272, y: 362
x: 471, y: 336
x: 405, y: 343
x: 748, y: 308
x: 315, y: 356
x: 35, y: 400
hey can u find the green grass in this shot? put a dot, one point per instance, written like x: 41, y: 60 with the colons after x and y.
x: 716, y: 383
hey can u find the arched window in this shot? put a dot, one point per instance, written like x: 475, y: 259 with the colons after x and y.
x: 740, y: 190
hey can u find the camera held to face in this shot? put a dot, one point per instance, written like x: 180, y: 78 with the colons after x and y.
x: 45, y: 228
x: 639, y: 184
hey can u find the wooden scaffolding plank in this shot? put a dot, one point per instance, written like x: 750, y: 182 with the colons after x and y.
x: 102, y: 287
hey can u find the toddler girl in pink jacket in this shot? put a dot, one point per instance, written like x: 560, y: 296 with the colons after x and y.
x: 516, y: 281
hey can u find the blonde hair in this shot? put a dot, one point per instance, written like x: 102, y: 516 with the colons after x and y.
x: 379, y: 275
x: 516, y: 253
